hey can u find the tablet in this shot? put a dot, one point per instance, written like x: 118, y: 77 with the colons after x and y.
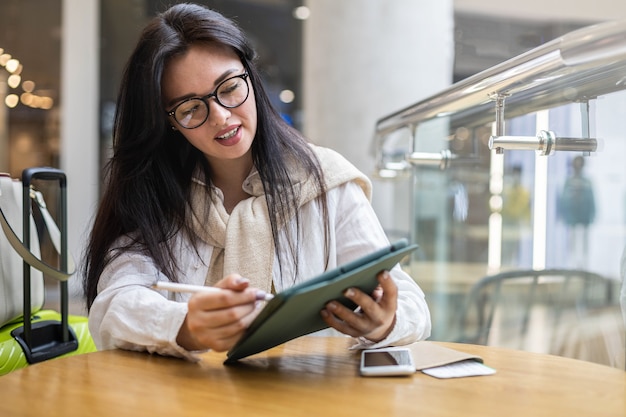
x: 295, y: 312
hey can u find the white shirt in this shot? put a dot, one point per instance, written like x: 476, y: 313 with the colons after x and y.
x: 127, y: 314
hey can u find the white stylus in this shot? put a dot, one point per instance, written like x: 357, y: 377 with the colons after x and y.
x: 176, y: 287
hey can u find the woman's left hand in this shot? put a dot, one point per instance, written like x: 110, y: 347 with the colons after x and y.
x: 375, y: 317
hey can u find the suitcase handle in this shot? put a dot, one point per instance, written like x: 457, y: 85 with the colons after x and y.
x: 46, y: 340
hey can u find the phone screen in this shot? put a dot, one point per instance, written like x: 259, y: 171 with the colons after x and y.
x: 387, y: 358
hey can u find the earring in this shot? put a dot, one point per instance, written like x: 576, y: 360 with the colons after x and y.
x: 174, y: 127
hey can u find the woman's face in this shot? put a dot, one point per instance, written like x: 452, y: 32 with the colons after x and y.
x: 227, y: 133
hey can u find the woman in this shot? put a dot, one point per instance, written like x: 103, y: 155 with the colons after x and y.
x: 209, y: 186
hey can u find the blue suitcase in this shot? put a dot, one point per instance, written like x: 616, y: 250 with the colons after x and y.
x: 47, y: 334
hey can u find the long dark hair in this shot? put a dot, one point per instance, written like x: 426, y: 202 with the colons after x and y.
x: 147, y: 187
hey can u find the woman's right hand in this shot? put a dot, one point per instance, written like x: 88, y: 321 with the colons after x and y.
x: 217, y: 320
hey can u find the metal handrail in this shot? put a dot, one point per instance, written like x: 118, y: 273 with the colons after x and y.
x: 576, y: 67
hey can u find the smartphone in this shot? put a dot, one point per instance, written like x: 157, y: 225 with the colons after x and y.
x: 389, y: 361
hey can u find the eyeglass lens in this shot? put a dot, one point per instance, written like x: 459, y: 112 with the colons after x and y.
x: 230, y: 93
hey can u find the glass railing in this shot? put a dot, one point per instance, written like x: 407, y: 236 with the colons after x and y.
x: 484, y: 206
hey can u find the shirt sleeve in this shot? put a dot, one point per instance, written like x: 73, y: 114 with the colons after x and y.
x: 359, y: 232
x: 127, y: 314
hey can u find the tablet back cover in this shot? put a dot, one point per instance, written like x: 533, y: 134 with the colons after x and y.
x: 295, y: 312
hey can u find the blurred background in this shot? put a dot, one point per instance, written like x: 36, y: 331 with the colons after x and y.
x: 334, y: 70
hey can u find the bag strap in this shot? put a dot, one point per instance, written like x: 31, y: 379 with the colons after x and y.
x: 53, y: 229
x: 25, y: 252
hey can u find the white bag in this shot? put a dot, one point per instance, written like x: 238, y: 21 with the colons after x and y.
x: 11, y: 263
x: 13, y: 252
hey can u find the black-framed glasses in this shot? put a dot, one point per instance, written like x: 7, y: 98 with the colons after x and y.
x: 230, y: 93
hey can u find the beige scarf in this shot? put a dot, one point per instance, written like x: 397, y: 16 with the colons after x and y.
x: 242, y: 240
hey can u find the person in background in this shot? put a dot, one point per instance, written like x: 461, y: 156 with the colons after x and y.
x: 577, y: 209
x: 208, y: 185
x: 515, y: 217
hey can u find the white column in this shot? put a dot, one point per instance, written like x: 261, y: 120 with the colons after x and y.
x: 4, y: 125
x: 364, y: 59
x: 80, y: 51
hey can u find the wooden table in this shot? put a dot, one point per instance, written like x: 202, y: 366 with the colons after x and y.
x: 310, y: 376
